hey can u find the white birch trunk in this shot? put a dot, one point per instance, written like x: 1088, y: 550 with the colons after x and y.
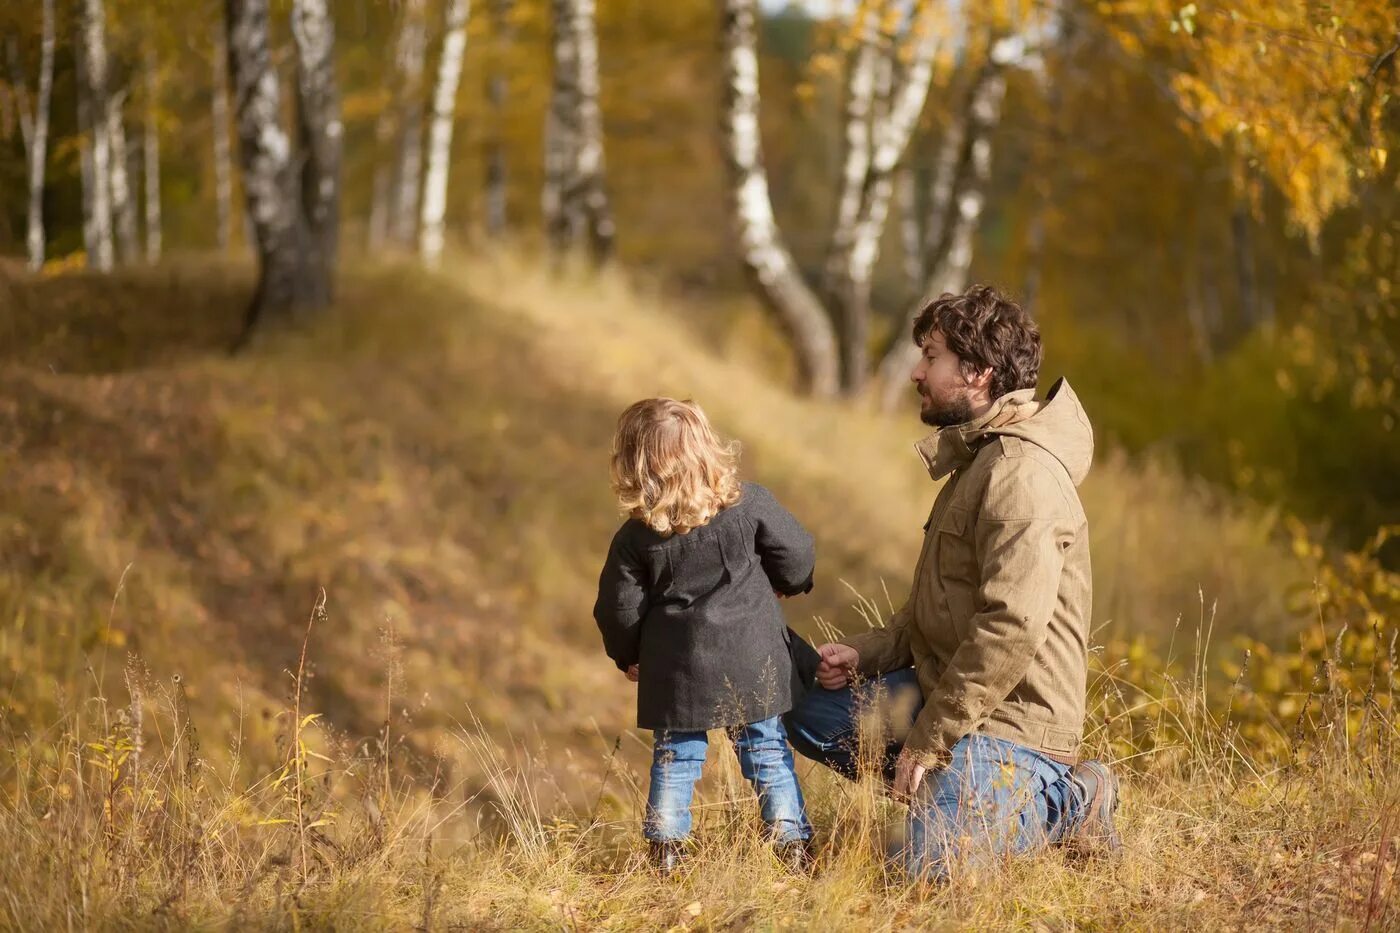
x: 589, y: 178
x: 561, y: 220
x: 150, y: 160
x: 321, y: 131
x: 860, y: 93
x: 34, y: 129
x: 575, y: 200
x: 123, y: 198
x: 949, y: 270
x: 94, y: 50
x: 454, y: 45
x: 286, y: 283
x: 408, y: 173
x: 766, y: 258
x: 223, y: 159
x: 890, y: 133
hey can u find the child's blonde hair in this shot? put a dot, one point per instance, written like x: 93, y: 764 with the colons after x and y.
x: 669, y: 468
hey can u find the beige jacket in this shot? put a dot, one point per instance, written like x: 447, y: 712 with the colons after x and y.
x: 997, y: 623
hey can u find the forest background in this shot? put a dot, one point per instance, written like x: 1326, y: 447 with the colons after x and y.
x: 519, y: 215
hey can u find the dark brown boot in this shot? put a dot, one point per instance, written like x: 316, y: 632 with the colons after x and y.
x: 1096, y: 833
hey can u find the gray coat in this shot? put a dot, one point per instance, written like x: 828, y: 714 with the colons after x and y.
x: 698, y: 613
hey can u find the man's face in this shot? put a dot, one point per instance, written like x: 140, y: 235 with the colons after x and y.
x: 944, y: 393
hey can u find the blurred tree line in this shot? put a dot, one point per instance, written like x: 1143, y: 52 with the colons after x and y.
x: 1199, y: 205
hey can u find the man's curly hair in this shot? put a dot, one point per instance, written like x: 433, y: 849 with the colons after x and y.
x: 987, y: 330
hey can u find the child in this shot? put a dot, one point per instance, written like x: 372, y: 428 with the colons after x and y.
x: 688, y: 607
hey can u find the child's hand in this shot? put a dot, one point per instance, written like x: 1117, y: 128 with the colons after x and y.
x: 633, y: 674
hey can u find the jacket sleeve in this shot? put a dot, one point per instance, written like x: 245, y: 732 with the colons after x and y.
x: 622, y: 602
x: 1019, y: 537
x: 788, y: 554
x: 884, y: 649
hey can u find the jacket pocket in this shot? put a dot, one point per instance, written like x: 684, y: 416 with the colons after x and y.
x: 956, y: 569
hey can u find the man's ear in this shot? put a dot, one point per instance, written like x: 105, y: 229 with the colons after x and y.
x: 981, y: 379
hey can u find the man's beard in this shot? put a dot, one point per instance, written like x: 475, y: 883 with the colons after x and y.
x: 944, y: 413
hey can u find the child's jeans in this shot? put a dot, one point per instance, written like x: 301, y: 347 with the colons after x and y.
x: 764, y: 758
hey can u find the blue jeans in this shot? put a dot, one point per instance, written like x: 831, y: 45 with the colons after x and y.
x: 993, y: 798
x: 765, y: 760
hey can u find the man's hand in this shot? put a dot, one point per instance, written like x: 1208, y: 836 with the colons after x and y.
x: 908, y: 775
x: 633, y: 673
x: 837, y: 666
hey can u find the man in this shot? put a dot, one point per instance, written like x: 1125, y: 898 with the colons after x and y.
x: 981, y: 675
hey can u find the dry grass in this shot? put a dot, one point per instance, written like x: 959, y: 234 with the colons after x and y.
x: 433, y: 455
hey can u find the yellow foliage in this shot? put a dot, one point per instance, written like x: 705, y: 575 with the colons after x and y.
x: 1279, y: 83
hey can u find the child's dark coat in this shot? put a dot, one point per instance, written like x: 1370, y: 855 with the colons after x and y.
x: 698, y: 613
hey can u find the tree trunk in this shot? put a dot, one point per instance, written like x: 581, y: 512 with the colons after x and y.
x: 589, y: 176
x: 286, y: 282
x: 34, y: 128
x: 381, y: 189
x: 891, y: 130
x: 94, y: 53
x: 562, y: 224
x: 502, y: 36
x: 454, y: 45
x: 951, y: 259
x: 408, y: 172
x: 150, y: 160
x: 855, y: 165
x: 320, y: 131
x: 911, y: 228
x: 766, y: 259
x: 82, y: 94
x: 123, y: 198
x: 576, y: 200
x: 223, y: 160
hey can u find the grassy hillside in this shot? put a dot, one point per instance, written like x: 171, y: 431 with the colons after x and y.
x: 433, y: 456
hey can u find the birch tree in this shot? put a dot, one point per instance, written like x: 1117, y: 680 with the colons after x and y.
x: 219, y: 120
x: 449, y: 75
x: 962, y: 174
x: 123, y: 197
x: 766, y: 257
x: 92, y: 118
x: 574, y: 199
x: 150, y: 156
x: 875, y: 140
x: 412, y: 48
x: 34, y: 129
x: 321, y: 131
x: 856, y: 238
x: 293, y: 272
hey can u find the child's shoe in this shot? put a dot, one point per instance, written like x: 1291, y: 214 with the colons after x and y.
x: 666, y: 856
x: 796, y: 856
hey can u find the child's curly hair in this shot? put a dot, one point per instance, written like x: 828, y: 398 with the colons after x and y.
x: 669, y: 468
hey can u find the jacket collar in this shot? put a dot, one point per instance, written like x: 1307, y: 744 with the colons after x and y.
x: 953, y: 448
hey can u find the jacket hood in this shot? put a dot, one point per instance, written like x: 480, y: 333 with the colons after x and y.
x: 1058, y: 425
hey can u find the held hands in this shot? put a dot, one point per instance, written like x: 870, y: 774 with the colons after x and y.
x: 837, y: 666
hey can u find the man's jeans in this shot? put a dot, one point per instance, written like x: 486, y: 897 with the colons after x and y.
x: 993, y: 798
x: 764, y: 758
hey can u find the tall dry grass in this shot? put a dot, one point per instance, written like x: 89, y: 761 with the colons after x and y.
x: 441, y: 744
